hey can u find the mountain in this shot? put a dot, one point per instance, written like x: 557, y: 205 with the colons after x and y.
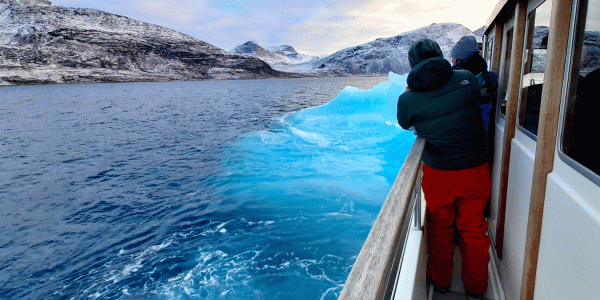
x: 253, y: 49
x: 44, y: 43
x: 292, y: 54
x: 479, y: 33
x: 591, y: 52
x: 274, y: 56
x: 381, y: 56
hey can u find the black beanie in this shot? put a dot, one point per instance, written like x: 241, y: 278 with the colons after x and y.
x: 422, y: 50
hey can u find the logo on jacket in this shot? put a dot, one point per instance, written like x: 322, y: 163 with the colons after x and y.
x: 464, y: 82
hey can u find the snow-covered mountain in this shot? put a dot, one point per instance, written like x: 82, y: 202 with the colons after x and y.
x: 45, y: 43
x: 274, y: 56
x: 292, y: 54
x: 381, y: 56
x: 253, y: 49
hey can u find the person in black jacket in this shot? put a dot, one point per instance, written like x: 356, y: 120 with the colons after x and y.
x: 442, y: 106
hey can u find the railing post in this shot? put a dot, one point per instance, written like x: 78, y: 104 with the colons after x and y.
x: 417, y: 195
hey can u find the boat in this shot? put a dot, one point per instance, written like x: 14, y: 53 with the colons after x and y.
x: 544, y: 215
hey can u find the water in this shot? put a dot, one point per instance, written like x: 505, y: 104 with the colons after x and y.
x: 260, y: 189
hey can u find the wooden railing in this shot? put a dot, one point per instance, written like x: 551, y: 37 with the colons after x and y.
x: 374, y: 271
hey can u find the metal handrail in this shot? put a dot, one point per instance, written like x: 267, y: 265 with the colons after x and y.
x: 374, y: 271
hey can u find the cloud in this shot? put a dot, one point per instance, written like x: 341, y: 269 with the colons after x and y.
x: 394, y: 17
x: 175, y: 11
x: 593, y: 18
x: 329, y: 29
x: 346, y: 24
x: 268, y: 23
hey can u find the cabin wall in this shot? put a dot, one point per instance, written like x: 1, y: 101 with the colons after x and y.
x: 512, y: 185
x: 495, y: 193
x: 559, y: 211
x: 569, y: 257
x: 522, y: 158
x: 568, y: 265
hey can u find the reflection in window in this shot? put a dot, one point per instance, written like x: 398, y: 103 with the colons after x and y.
x: 538, y: 21
x: 583, y: 103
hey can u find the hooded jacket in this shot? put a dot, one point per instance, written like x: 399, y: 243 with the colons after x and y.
x: 443, y: 106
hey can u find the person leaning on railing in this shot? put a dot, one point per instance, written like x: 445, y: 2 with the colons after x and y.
x: 442, y: 106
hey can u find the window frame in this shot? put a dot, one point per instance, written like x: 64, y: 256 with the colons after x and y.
x: 577, y: 14
x: 527, y: 57
x: 488, y: 51
x: 506, y: 57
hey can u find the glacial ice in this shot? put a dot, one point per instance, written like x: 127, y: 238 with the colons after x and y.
x: 351, y: 145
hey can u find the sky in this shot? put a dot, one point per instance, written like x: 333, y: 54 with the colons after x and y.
x: 311, y: 26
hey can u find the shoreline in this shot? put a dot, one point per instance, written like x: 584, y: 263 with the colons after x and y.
x: 86, y: 76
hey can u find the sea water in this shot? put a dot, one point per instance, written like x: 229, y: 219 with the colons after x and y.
x: 251, y: 189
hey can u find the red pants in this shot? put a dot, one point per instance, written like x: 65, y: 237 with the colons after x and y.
x: 457, y: 199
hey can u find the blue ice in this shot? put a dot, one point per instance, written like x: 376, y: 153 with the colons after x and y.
x: 351, y: 146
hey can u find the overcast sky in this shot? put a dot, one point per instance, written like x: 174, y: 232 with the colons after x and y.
x: 310, y: 26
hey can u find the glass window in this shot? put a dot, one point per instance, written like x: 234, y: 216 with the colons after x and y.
x: 534, y: 58
x: 505, y: 72
x: 488, y: 51
x: 582, y: 119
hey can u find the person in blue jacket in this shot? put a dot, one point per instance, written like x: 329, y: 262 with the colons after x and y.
x: 442, y: 106
x: 465, y: 56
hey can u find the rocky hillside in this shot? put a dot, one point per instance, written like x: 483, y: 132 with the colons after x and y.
x: 383, y: 55
x: 45, y: 43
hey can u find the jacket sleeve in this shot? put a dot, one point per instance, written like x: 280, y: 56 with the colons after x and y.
x: 403, y: 112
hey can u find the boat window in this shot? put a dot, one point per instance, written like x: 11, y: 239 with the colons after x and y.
x: 505, y: 72
x: 534, y: 58
x: 489, y: 45
x: 581, y: 121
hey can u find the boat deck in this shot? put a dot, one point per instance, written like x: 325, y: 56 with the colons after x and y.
x: 450, y: 296
x: 457, y: 291
x: 411, y: 279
